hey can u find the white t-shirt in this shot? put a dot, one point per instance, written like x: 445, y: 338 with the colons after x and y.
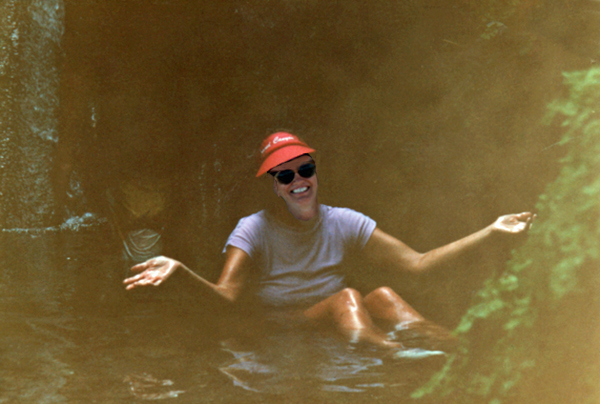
x: 301, y: 268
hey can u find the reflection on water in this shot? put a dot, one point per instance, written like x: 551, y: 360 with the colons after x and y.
x: 69, y: 333
x: 146, y: 387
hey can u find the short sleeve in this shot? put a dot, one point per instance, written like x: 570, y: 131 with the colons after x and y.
x: 356, y: 228
x: 246, y: 235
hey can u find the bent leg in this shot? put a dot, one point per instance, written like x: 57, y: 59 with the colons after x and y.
x: 347, y: 312
x: 386, y: 306
x: 407, y: 324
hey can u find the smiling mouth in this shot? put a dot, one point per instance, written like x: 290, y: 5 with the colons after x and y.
x: 299, y: 190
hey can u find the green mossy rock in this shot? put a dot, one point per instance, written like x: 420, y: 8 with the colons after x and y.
x: 529, y: 336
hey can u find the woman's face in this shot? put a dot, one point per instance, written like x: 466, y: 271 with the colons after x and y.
x: 300, y: 195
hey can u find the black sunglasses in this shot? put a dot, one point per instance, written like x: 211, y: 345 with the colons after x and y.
x: 284, y: 177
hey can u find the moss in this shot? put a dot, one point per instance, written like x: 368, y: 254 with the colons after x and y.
x: 534, y: 317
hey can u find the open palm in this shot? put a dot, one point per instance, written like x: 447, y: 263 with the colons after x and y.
x: 152, y: 272
x: 514, y: 223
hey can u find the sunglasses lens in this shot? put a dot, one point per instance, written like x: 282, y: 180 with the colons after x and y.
x: 285, y: 177
x: 307, y: 170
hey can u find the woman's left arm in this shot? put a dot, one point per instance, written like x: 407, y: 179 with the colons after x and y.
x: 388, y: 251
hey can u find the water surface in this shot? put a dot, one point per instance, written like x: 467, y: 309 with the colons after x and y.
x: 70, y: 333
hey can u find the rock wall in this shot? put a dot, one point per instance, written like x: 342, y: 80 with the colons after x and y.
x: 29, y: 72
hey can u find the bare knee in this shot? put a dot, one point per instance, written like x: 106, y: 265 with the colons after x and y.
x: 383, y: 295
x: 349, y: 309
x: 385, y: 292
x: 350, y: 298
x: 385, y: 304
x: 344, y: 302
x: 346, y: 310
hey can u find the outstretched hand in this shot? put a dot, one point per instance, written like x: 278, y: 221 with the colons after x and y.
x: 152, y: 272
x: 514, y: 223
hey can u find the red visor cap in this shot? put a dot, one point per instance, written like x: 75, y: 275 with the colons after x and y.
x: 279, y: 148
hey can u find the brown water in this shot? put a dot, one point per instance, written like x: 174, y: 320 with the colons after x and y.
x: 70, y: 334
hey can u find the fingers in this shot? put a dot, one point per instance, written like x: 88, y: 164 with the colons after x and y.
x: 143, y: 282
x: 142, y: 279
x: 133, y: 279
x: 526, y: 215
x: 530, y: 221
x: 521, y: 216
x: 146, y: 264
x: 140, y: 267
x: 132, y: 286
x: 525, y: 221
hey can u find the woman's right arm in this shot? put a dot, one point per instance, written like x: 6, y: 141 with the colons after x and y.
x: 229, y: 287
